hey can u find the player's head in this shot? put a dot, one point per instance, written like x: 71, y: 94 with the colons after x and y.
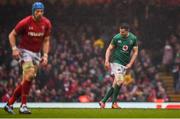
x: 124, y: 29
x: 37, y: 10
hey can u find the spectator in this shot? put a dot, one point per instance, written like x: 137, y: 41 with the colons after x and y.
x: 76, y: 61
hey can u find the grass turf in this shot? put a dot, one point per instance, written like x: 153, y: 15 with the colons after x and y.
x: 95, y: 113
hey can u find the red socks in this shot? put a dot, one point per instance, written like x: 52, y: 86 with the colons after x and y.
x: 25, y: 91
x: 16, y: 94
x: 21, y: 90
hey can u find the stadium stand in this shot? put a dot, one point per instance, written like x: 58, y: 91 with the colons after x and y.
x: 81, y: 31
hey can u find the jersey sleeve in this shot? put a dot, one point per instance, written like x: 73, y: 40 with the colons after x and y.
x: 135, y: 42
x: 20, y: 26
x: 48, y: 29
x: 113, y: 41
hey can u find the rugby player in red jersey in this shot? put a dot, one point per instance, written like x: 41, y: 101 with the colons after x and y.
x: 34, y: 31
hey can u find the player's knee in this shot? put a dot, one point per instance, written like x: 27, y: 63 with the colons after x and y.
x: 119, y: 83
x: 119, y: 79
x: 114, y: 83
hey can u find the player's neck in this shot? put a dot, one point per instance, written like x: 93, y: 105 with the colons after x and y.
x: 35, y: 19
x: 126, y: 36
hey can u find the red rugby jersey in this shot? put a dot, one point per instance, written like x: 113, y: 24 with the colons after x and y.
x: 33, y: 32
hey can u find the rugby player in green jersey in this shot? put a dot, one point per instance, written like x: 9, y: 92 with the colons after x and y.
x: 120, y: 56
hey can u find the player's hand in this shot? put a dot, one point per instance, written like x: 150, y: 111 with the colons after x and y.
x: 128, y: 66
x: 16, y: 53
x: 107, y: 65
x: 44, y: 60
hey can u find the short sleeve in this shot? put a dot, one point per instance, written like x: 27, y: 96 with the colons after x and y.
x: 113, y: 41
x: 48, y: 29
x: 135, y: 42
x: 20, y: 26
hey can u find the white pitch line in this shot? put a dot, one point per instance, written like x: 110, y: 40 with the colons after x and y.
x: 90, y: 118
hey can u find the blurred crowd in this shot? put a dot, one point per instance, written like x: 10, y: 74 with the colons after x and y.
x: 82, y: 30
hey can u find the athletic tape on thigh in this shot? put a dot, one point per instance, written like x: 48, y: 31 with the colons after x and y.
x: 26, y: 66
x: 119, y: 77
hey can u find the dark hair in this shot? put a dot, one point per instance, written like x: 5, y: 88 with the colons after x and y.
x: 124, y: 26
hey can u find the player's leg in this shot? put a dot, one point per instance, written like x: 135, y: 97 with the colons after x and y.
x: 106, y: 97
x: 119, y: 79
x: 16, y: 94
x: 117, y: 85
x: 29, y: 73
x: 29, y: 67
x: 108, y: 94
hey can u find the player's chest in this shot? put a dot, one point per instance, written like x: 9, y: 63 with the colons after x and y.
x: 35, y: 30
x: 124, y: 44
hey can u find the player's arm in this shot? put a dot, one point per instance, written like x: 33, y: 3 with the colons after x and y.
x: 12, y: 41
x: 12, y: 37
x: 133, y: 57
x: 107, y: 55
x: 46, y: 45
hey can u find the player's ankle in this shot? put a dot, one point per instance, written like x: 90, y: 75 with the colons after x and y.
x: 23, y: 105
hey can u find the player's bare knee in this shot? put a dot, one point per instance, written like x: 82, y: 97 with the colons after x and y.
x: 119, y: 82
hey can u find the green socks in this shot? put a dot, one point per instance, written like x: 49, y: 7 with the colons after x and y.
x: 115, y: 93
x: 108, y: 94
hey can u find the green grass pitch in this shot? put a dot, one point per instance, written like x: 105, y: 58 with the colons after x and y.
x: 95, y: 113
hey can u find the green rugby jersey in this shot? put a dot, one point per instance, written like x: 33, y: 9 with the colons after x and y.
x: 123, y: 48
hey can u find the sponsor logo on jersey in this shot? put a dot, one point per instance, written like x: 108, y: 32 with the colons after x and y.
x: 30, y: 28
x: 125, y: 48
x: 36, y: 34
x: 119, y: 41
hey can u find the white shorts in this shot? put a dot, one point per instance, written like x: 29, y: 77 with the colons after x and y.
x: 27, y: 56
x: 117, y: 69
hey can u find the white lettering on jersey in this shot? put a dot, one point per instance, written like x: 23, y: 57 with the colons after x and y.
x: 119, y: 41
x: 36, y: 34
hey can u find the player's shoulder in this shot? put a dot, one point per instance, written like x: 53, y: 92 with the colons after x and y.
x: 46, y: 20
x: 116, y: 36
x: 133, y: 36
x: 26, y: 19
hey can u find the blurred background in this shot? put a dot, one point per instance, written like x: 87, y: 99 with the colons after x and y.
x: 82, y: 30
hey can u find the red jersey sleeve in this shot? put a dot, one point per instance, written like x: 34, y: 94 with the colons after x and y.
x: 21, y: 26
x: 48, y: 29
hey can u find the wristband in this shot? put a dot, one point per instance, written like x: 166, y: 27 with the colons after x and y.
x: 14, y: 48
x: 45, y: 55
